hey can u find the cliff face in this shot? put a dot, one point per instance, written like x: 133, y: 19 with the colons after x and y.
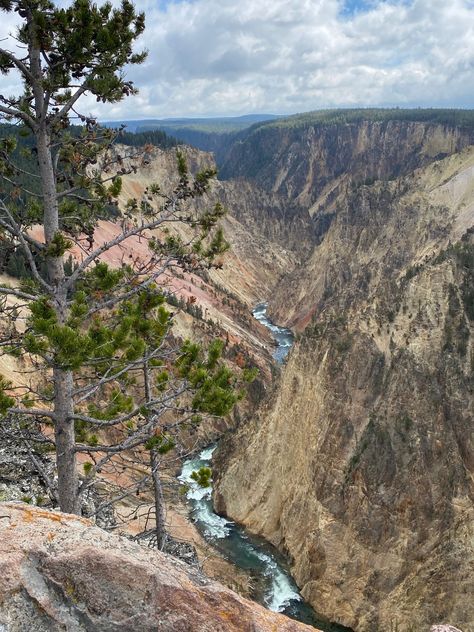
x: 299, y: 161
x: 361, y: 466
x: 270, y: 216
x: 59, y: 572
x: 310, y: 166
x: 256, y: 225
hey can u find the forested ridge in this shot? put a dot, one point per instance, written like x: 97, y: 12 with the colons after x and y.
x: 455, y: 117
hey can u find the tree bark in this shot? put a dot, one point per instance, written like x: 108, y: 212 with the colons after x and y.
x: 159, y: 501
x: 63, y: 378
x: 65, y: 443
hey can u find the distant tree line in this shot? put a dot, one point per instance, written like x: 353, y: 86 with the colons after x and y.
x: 156, y: 137
x: 451, y: 117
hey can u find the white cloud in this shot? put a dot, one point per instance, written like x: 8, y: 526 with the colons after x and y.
x: 211, y: 57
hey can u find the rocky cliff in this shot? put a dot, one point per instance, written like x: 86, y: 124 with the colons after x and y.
x: 60, y: 573
x: 256, y: 224
x: 360, y: 466
x: 298, y: 158
x: 309, y: 160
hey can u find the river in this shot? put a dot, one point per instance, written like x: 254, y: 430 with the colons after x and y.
x: 273, y: 585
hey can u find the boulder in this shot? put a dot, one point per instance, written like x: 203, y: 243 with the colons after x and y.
x: 59, y: 572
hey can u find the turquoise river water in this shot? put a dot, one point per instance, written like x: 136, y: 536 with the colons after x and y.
x: 274, y: 586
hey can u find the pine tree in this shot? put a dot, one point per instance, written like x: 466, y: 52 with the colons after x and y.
x: 100, y: 337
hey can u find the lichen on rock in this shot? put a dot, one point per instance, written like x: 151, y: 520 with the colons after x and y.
x: 59, y: 572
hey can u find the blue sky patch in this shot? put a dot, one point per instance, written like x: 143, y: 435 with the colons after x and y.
x: 353, y: 7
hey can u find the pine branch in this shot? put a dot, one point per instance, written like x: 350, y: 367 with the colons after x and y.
x: 16, y: 231
x: 139, y: 288
x: 19, y: 64
x: 101, y: 423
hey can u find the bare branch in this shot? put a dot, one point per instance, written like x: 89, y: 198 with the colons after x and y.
x: 18, y: 293
x: 10, y: 181
x: 19, y: 64
x: 137, y: 230
x: 18, y: 114
x: 69, y: 105
x: 32, y: 412
x: 89, y: 390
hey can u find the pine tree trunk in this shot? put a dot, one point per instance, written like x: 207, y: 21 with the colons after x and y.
x: 160, y: 528
x: 63, y: 379
x: 65, y: 443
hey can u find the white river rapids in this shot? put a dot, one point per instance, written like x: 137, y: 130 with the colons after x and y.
x: 274, y: 586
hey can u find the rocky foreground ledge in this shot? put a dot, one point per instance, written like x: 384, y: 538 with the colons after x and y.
x: 59, y: 572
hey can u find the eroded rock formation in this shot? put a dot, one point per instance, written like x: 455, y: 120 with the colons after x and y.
x: 360, y: 466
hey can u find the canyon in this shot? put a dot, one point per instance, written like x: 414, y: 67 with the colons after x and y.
x: 359, y: 463
x: 355, y: 457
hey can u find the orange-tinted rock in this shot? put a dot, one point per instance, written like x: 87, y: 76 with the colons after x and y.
x: 59, y: 572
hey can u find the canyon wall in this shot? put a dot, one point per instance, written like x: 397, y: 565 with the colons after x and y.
x: 298, y: 160
x: 360, y: 464
x: 309, y: 163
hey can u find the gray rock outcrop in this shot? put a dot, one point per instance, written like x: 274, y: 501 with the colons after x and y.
x: 59, y: 572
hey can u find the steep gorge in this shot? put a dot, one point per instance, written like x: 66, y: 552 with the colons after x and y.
x: 298, y: 158
x: 309, y: 163
x: 359, y: 465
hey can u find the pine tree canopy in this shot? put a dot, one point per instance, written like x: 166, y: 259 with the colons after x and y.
x: 98, y: 337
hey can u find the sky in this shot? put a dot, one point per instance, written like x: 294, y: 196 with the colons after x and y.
x: 233, y: 57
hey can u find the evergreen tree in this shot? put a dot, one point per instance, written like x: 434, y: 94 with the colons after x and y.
x: 100, y: 336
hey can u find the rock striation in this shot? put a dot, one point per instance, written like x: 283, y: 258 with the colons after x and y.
x: 360, y: 466
x: 298, y: 161
x: 60, y: 573
x: 306, y: 165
